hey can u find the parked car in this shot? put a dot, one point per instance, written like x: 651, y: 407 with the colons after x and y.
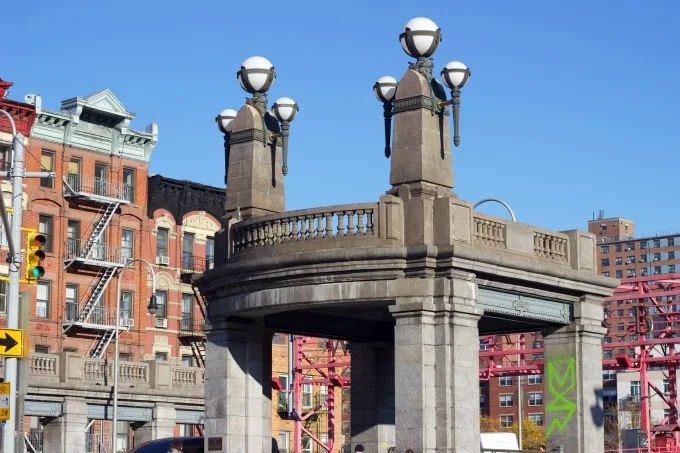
x: 189, y: 445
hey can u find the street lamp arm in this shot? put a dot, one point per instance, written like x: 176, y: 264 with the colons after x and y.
x: 114, y: 430
x: 496, y: 200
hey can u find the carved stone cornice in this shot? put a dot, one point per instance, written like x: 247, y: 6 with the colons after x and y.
x: 249, y: 135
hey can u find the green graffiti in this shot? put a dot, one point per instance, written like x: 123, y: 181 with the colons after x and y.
x: 559, y: 385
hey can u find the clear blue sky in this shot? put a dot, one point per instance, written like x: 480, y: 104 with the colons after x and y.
x: 571, y: 107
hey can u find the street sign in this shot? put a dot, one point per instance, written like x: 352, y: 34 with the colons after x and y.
x: 4, y: 400
x: 11, y: 343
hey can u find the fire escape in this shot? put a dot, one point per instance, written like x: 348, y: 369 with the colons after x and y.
x: 91, y: 253
x: 192, y: 330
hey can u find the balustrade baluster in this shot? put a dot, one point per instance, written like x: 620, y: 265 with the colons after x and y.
x: 296, y: 229
x: 303, y: 228
x: 369, y: 220
x: 362, y: 224
x: 328, y: 232
x: 351, y: 230
x: 342, y: 231
x: 317, y: 221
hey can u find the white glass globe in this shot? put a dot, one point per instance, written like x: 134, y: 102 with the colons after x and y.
x: 424, y: 35
x: 285, y: 109
x: 256, y: 70
x: 455, y: 74
x: 226, y: 119
x: 385, y: 88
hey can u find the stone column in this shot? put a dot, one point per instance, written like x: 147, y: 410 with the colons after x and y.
x: 437, y: 372
x: 372, y: 399
x: 238, y: 392
x: 573, y: 380
x: 162, y: 425
x: 66, y: 434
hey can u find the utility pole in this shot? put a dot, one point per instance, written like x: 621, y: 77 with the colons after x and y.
x: 15, y: 258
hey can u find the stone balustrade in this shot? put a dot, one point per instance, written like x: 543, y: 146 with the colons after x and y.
x: 68, y: 367
x: 489, y: 231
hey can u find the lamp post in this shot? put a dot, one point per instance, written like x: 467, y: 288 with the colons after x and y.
x: 420, y: 39
x: 152, y: 309
x: 385, y: 89
x: 225, y: 124
x: 256, y: 76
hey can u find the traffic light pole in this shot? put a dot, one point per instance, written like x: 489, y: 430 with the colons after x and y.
x: 11, y: 442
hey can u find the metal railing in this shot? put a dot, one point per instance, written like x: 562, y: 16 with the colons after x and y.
x: 196, y: 264
x: 189, y: 324
x: 94, y: 185
x: 98, y: 315
x: 74, y: 249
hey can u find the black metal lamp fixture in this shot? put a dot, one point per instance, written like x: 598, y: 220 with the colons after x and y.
x: 284, y: 110
x: 225, y: 124
x: 153, y: 305
x: 385, y: 89
x: 455, y: 75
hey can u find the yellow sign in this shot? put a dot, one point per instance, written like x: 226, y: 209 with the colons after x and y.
x: 11, y: 343
x: 4, y: 400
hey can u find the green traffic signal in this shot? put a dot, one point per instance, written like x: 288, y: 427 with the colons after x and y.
x: 38, y: 272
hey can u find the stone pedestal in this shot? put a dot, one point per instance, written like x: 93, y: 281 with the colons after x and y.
x: 372, y: 396
x: 162, y: 425
x: 573, y: 381
x: 238, y: 392
x: 437, y: 372
x: 66, y: 434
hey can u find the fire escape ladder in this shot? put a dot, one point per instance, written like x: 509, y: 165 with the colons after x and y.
x: 106, y: 213
x: 201, y: 302
x: 97, y: 291
x: 103, y: 343
x: 198, y: 350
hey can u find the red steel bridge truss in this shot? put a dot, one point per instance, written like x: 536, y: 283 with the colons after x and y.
x: 643, y: 328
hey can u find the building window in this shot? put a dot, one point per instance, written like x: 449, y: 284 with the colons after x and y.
x: 506, y: 421
x: 323, y: 394
x: 283, y: 379
x: 187, y: 312
x: 604, y: 262
x: 619, y: 274
x: 71, y: 302
x: 3, y: 297
x: 45, y: 228
x: 671, y: 268
x: 536, y: 399
x: 505, y: 400
x: 671, y: 241
x: 643, y: 258
x: 47, y: 163
x: 657, y: 256
x: 127, y: 244
x: 42, y: 303
x: 306, y: 444
x: 129, y: 184
x: 618, y: 261
x: 482, y: 401
x: 607, y: 354
x: 657, y: 243
x: 482, y: 345
x: 536, y: 419
x: 161, y: 244
x: 3, y: 233
x: 619, y: 312
x: 73, y: 238
x: 126, y: 305
x: 187, y: 251
x: 630, y: 273
x: 608, y: 375
x: 617, y: 248
x: 122, y: 436
x: 666, y: 387
x: 209, y: 253
x: 633, y: 338
x: 630, y: 246
x: 634, y: 388
x: 161, y: 356
x: 605, y: 274
x: 186, y: 430
x: 671, y: 255
x: 187, y: 360
x: 535, y: 379
x: 609, y: 396
x: 124, y: 357
x: 630, y: 259
x: 307, y: 395
x: 603, y: 227
x: 5, y: 157
x: 284, y: 441
x: 162, y: 302
x: 42, y: 349
x: 505, y: 381
x: 605, y: 249
x: 101, y: 180
x: 74, y: 178
x: 643, y: 245
x: 657, y: 270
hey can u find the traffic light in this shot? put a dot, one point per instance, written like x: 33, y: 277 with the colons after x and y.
x: 34, y: 256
